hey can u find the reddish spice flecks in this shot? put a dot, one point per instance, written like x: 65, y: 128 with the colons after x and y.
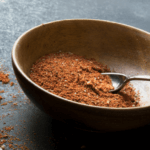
x: 9, y: 128
x: 0, y: 97
x: 2, y: 142
x: 5, y: 136
x: 10, y: 146
x: 5, y: 103
x: 16, y: 104
x: 9, y: 140
x: 78, y: 79
x: 4, y: 77
x: 2, y: 91
x: 14, y: 96
x: 11, y: 83
x: 1, y: 136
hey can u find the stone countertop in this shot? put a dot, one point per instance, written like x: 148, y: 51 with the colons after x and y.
x: 34, y: 128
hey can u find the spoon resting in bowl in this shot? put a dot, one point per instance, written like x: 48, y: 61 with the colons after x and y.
x: 119, y: 80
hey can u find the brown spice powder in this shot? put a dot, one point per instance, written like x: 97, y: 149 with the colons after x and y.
x: 4, y: 77
x: 5, y: 103
x: 9, y: 128
x: 78, y: 79
x: 5, y: 138
x: 10, y: 146
x: 2, y: 91
x: 11, y: 83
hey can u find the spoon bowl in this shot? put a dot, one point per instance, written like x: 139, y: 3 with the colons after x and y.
x: 119, y: 80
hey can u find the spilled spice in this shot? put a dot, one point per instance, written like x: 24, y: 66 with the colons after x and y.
x: 11, y: 83
x: 10, y: 146
x: 79, y: 79
x: 4, y: 77
x: 6, y: 139
x: 5, y: 103
x: 2, y: 91
x: 16, y: 104
x: 14, y: 96
x: 9, y: 128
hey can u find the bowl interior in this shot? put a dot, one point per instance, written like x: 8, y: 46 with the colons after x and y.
x: 123, y: 48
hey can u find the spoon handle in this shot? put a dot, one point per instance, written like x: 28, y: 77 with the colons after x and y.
x: 139, y: 77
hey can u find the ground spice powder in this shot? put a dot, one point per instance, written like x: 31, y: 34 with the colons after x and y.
x: 0, y: 97
x: 79, y: 79
x: 4, y: 77
x: 7, y: 140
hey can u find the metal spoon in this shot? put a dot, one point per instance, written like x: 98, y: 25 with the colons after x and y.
x: 119, y: 80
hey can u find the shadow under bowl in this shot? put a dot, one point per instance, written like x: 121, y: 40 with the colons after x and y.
x: 123, y: 48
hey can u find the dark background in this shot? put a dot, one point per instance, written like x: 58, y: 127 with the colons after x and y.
x: 36, y: 129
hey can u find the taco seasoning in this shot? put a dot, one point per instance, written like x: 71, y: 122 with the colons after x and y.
x: 79, y: 79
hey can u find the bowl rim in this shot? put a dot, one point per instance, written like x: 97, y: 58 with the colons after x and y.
x: 14, y: 60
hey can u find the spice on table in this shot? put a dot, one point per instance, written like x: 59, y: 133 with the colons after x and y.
x: 79, y: 79
x: 5, y: 103
x: 8, y: 141
x: 10, y: 146
x: 2, y: 91
x: 4, y: 77
x: 16, y: 104
x: 11, y: 83
x: 5, y: 136
x: 9, y: 128
x: 14, y: 96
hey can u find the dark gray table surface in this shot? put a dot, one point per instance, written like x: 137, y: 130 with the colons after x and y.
x: 31, y: 126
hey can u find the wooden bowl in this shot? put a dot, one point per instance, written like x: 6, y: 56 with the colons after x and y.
x: 123, y: 48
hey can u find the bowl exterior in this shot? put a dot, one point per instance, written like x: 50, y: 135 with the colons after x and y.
x: 82, y: 116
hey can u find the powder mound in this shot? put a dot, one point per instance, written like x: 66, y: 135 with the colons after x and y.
x: 79, y: 79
